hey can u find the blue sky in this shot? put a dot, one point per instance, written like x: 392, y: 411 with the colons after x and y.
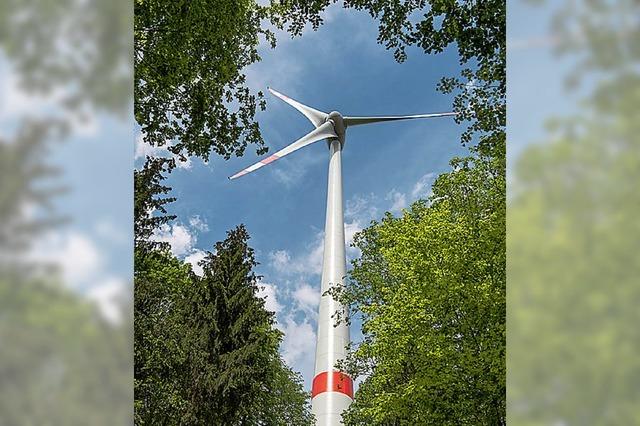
x: 386, y: 166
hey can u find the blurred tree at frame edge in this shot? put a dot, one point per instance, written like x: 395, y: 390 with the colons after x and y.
x: 62, y: 363
x: 573, y: 234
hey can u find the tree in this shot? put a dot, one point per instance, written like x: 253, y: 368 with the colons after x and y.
x: 206, y: 350
x: 237, y: 374
x: 573, y: 234
x: 161, y: 282
x: 430, y: 287
x: 190, y: 91
x: 149, y: 212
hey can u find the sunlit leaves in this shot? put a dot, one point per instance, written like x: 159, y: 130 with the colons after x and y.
x: 430, y: 286
x: 190, y: 90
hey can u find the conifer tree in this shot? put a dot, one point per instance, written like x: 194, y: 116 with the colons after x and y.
x: 206, y: 349
x: 236, y: 373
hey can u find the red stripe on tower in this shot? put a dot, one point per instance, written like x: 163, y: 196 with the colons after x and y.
x: 334, y: 381
x: 270, y: 159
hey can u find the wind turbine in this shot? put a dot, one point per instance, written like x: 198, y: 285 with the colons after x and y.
x: 332, y: 390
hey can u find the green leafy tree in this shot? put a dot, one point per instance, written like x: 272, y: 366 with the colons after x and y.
x: 161, y: 282
x: 189, y: 83
x: 573, y: 242
x: 149, y: 212
x: 430, y: 287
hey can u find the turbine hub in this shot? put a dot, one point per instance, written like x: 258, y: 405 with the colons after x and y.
x: 338, y: 124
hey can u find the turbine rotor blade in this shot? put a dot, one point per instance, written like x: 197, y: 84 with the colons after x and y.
x: 323, y: 132
x: 315, y: 116
x: 356, y: 121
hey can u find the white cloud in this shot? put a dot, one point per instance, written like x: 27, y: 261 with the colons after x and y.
x: 268, y: 293
x: 350, y: 230
x: 109, y: 296
x: 361, y: 207
x: 298, y: 346
x: 313, y: 261
x: 178, y: 236
x: 398, y: 201
x: 280, y: 260
x: 307, y: 298
x: 75, y: 254
x: 194, y: 258
x: 198, y: 223
x: 308, y: 263
x: 143, y: 149
x: 422, y: 188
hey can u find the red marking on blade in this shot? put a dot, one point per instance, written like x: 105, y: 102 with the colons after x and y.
x: 269, y: 159
x: 242, y: 173
x: 334, y: 381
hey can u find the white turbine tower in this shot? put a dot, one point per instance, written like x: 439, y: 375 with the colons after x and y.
x: 332, y: 390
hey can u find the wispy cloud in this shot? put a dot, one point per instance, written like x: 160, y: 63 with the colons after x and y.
x: 143, y: 149
x: 269, y: 293
x: 194, y: 259
x: 307, y: 298
x: 398, y: 200
x: 422, y: 188
x: 297, y: 347
x: 199, y: 223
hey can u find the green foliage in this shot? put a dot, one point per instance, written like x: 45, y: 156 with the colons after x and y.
x: 233, y: 354
x: 161, y: 282
x: 206, y: 350
x: 61, y: 363
x: 189, y: 85
x: 430, y: 286
x: 573, y: 245
x: 149, y: 212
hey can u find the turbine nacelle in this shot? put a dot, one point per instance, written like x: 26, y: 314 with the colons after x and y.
x: 338, y: 125
x: 327, y: 126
